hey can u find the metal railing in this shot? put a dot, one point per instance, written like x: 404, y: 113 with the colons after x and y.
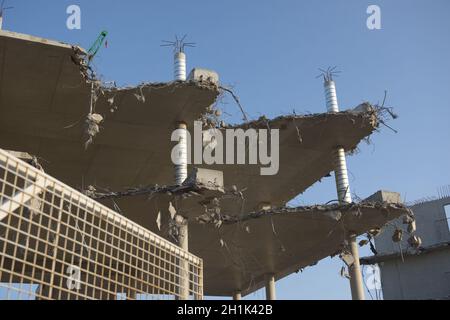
x: 56, y: 243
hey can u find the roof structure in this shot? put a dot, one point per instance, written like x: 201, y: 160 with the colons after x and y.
x: 45, y: 98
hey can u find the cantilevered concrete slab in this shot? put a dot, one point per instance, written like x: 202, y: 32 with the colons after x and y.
x: 238, y: 251
x: 306, y: 144
x: 280, y: 242
x: 44, y: 101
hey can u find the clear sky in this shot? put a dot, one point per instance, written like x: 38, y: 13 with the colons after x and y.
x: 270, y: 52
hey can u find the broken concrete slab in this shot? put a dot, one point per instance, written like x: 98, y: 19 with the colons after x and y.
x: 239, y: 254
x: 48, y: 100
x: 45, y: 101
x: 404, y: 254
x: 306, y: 145
x: 239, y: 249
x: 303, y: 162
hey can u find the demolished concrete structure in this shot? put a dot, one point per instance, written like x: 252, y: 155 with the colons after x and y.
x: 417, y: 270
x: 45, y: 95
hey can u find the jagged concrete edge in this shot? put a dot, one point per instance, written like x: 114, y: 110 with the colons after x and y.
x: 323, y: 209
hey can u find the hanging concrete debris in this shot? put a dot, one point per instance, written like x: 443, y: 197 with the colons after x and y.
x: 344, y: 273
x: 212, y: 214
x: 92, y: 128
x: 363, y: 242
x: 112, y: 105
x: 348, y: 258
x: 374, y: 232
x: 398, y: 235
x: 172, y: 211
x: 90, y: 191
x: 412, y: 226
x: 158, y: 220
x: 415, y: 241
x: 140, y: 96
x: 173, y: 228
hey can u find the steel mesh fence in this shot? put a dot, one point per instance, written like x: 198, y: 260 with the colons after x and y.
x: 56, y: 243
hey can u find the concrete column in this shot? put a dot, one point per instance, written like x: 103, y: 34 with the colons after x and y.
x: 270, y: 288
x: 181, y: 168
x: 341, y: 176
x: 184, y: 265
x: 343, y: 190
x: 237, y: 296
x: 356, y: 280
x: 182, y: 223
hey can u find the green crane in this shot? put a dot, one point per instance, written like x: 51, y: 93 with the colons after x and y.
x: 97, y: 45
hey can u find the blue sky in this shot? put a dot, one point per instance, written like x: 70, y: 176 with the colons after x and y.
x: 270, y: 51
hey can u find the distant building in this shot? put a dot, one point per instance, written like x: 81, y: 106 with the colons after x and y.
x: 408, y: 273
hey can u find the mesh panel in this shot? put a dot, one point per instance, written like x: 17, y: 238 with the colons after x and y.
x: 56, y: 243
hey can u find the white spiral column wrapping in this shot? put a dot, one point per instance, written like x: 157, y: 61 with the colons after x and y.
x: 330, y: 96
x: 341, y: 175
x: 181, y: 166
x: 180, y: 66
